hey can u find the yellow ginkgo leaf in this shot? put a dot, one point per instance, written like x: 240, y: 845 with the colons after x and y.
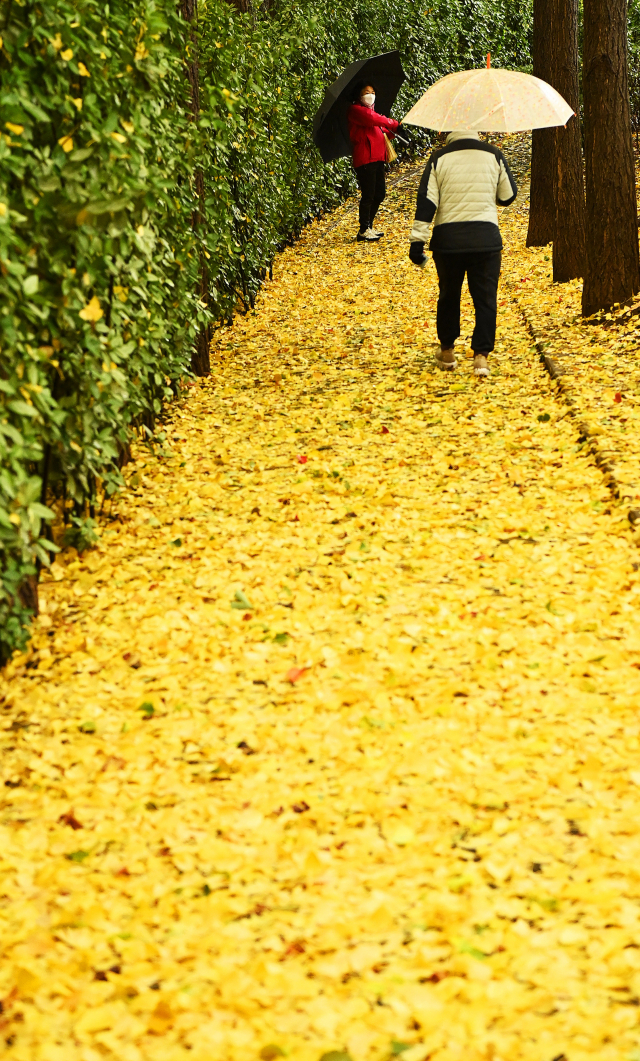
x: 92, y: 311
x: 66, y: 143
x: 67, y: 54
x: 400, y: 834
x: 82, y: 70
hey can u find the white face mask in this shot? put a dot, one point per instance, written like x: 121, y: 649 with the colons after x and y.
x: 368, y: 99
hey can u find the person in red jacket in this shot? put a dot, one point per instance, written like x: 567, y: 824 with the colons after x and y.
x: 366, y: 132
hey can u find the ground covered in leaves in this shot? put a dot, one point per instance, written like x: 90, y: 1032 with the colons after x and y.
x: 597, y: 357
x: 331, y: 743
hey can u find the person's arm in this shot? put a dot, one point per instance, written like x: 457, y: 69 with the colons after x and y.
x: 426, y: 206
x: 392, y: 132
x: 507, y: 187
x: 369, y: 119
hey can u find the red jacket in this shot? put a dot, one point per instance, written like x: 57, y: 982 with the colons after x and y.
x: 366, y: 129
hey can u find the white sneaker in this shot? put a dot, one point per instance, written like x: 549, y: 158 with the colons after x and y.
x: 367, y: 237
x: 446, y: 359
x: 480, y: 366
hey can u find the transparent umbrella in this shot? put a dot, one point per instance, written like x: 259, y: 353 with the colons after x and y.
x: 491, y: 100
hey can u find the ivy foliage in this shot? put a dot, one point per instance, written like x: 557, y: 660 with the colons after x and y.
x: 97, y: 304
x: 130, y: 221
x: 634, y: 64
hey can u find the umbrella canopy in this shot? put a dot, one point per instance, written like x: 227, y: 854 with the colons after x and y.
x: 330, y: 128
x: 493, y: 100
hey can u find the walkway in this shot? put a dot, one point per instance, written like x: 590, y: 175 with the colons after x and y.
x: 332, y: 743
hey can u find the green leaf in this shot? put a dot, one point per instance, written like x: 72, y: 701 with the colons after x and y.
x: 41, y: 511
x: 468, y: 948
x: 550, y: 905
x: 30, y: 284
x: 109, y: 206
x: 241, y: 601
x: 78, y: 856
x: 22, y: 408
x: 32, y: 108
x: 80, y: 155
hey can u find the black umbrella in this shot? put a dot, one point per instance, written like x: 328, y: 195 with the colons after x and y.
x: 330, y: 128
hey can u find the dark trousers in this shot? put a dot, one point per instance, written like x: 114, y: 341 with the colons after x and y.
x: 483, y: 272
x: 370, y: 178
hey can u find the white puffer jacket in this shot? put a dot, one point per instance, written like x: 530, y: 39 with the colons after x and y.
x: 458, y: 193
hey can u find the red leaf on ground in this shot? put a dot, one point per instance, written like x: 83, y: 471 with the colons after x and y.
x: 618, y: 397
x: 385, y: 429
x: 295, y: 674
x: 302, y: 459
x: 297, y: 947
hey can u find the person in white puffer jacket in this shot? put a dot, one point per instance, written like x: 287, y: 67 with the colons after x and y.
x: 458, y: 195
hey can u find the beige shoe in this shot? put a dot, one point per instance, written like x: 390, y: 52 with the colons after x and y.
x: 480, y: 366
x: 446, y: 359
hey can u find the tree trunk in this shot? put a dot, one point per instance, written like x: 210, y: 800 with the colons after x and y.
x: 612, y: 274
x: 28, y: 593
x: 569, y: 235
x: 200, y: 362
x: 541, y: 204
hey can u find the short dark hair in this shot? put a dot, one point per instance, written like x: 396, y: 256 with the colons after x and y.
x: 359, y: 87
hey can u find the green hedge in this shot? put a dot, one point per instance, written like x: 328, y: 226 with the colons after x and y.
x: 103, y: 171
x: 634, y: 65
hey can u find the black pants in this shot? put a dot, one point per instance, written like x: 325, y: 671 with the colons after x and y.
x: 371, y: 183
x: 483, y: 272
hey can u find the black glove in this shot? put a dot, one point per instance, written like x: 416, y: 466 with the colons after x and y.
x: 416, y: 253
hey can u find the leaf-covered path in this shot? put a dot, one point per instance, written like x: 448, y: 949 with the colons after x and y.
x: 332, y: 743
